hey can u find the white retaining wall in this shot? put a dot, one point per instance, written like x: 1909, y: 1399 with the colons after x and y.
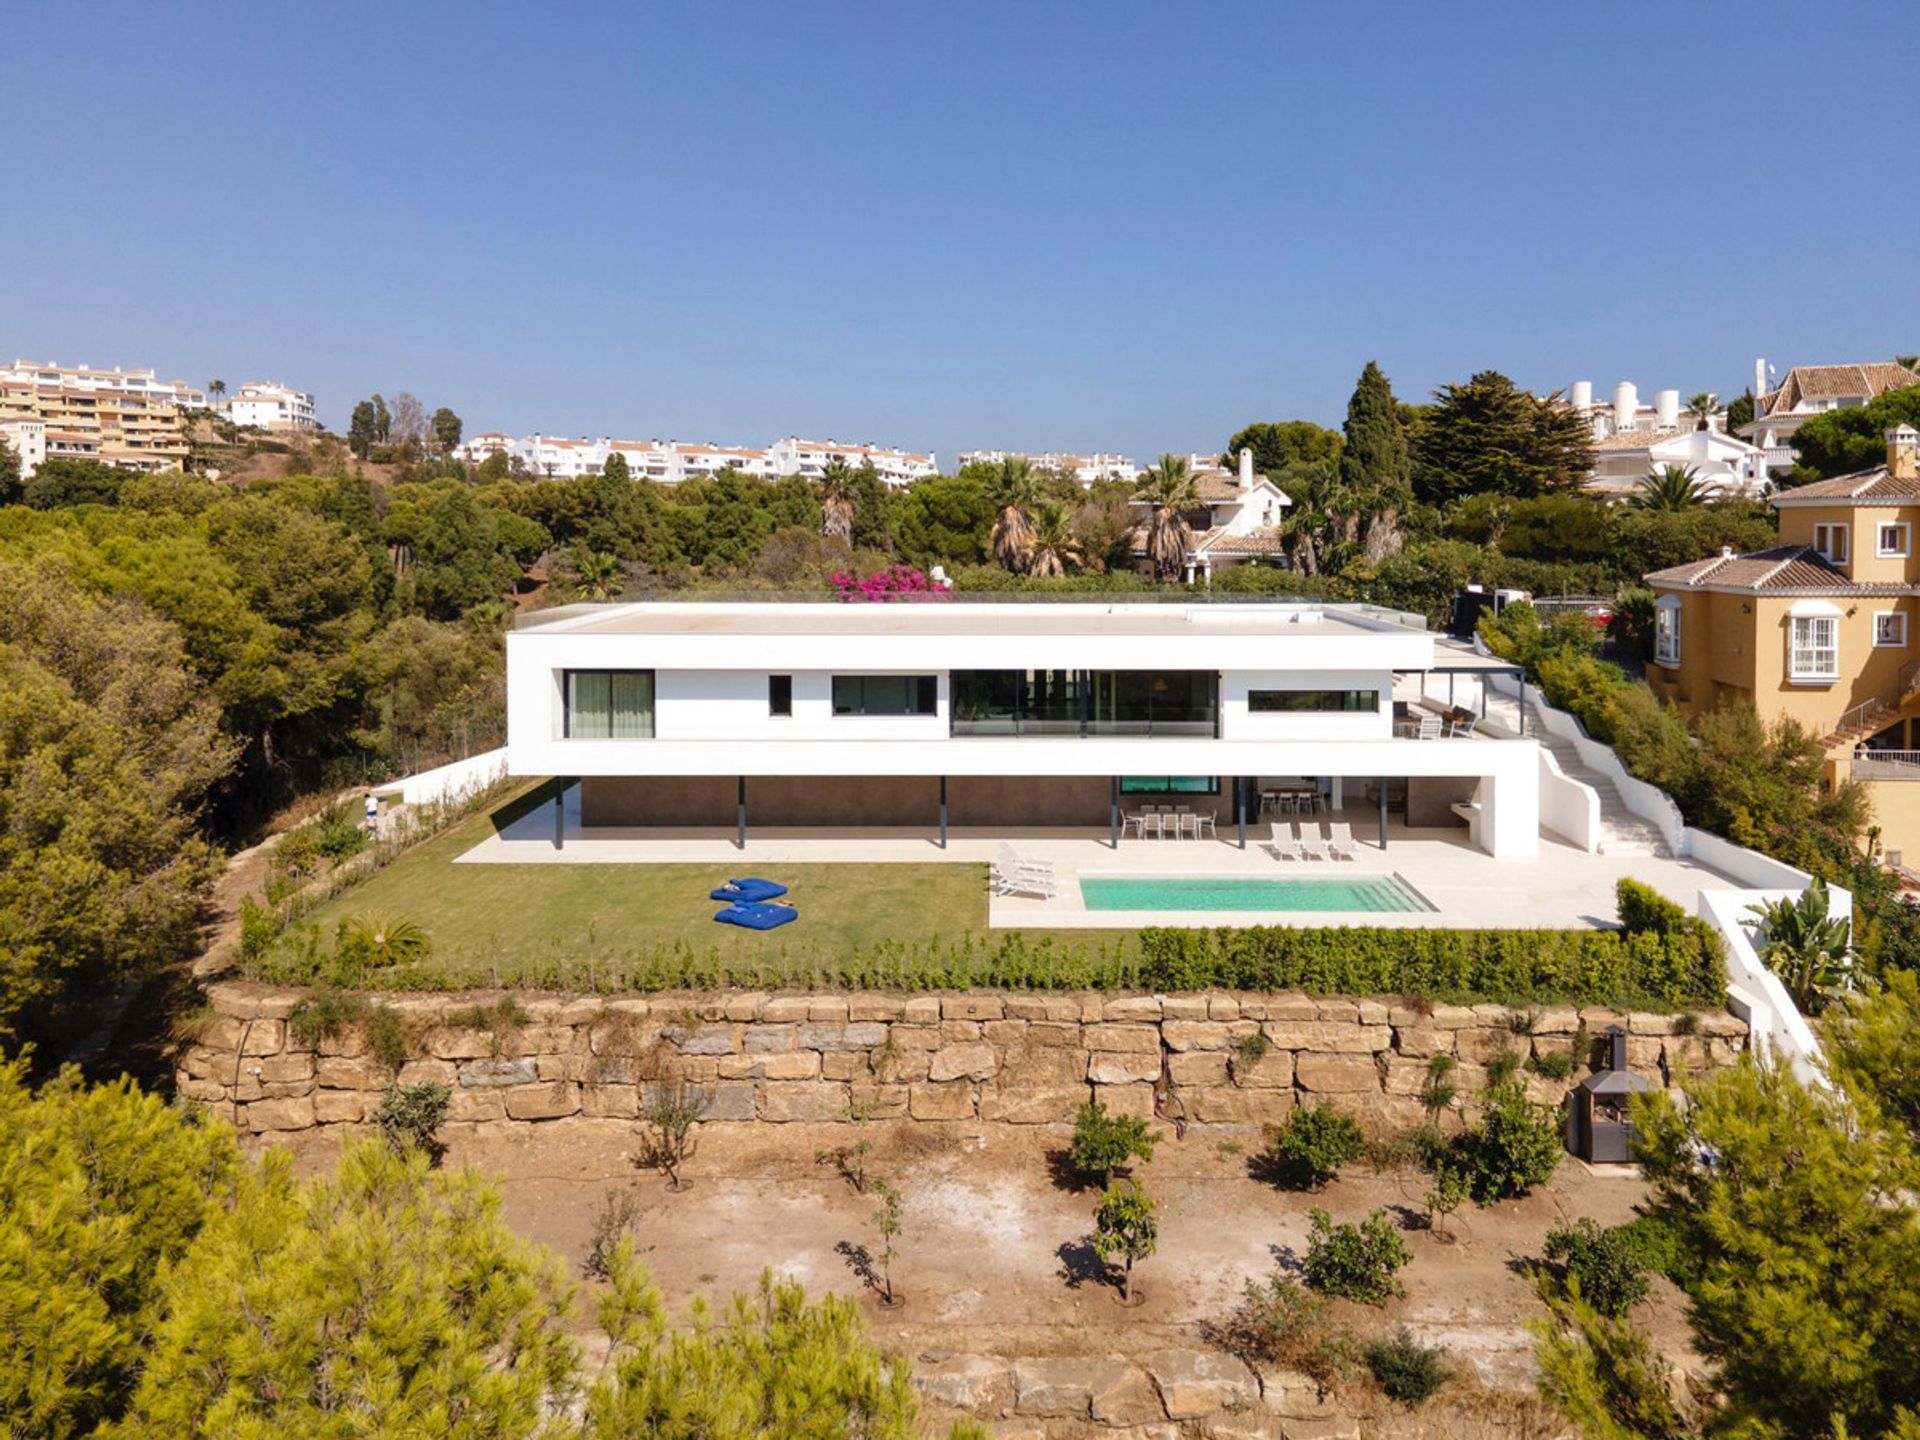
x: 1568, y: 808
x: 450, y: 782
x: 1754, y: 992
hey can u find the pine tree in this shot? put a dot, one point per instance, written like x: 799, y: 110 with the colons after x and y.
x: 1375, y: 469
x: 388, y: 1299
x: 99, y: 1190
x: 1490, y: 437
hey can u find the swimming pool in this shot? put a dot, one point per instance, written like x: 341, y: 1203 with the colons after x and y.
x: 1364, y: 894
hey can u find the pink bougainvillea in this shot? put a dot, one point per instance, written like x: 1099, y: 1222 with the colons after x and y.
x: 896, y: 582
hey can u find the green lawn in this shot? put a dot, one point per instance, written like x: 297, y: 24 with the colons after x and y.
x: 576, y: 925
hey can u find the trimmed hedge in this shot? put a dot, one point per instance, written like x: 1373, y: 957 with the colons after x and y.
x: 1677, y: 969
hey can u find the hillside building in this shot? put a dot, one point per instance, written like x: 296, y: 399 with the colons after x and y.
x: 129, y: 418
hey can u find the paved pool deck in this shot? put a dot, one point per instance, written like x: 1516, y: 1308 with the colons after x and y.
x: 1559, y: 888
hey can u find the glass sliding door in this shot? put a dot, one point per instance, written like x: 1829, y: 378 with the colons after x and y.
x: 1086, y: 702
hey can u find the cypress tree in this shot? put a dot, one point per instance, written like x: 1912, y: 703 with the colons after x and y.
x: 1375, y: 470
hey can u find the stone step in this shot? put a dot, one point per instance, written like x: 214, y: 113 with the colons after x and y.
x: 1621, y: 831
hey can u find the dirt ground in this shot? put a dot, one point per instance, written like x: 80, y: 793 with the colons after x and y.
x: 994, y: 1256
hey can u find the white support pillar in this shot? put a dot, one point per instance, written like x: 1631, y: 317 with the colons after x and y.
x: 1510, y: 811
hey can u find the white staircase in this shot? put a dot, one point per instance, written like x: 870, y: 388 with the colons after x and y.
x: 1621, y: 831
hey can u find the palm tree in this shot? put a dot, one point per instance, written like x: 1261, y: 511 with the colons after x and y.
x: 1671, y: 487
x: 216, y: 387
x: 837, y: 502
x: 1703, y: 407
x: 1055, y: 549
x: 1168, y: 491
x: 1014, y: 490
x: 1810, y: 952
x: 599, y: 572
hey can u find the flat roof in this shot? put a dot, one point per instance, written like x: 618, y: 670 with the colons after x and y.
x: 963, y: 617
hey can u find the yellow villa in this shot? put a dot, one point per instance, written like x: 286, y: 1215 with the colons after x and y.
x: 1820, y: 628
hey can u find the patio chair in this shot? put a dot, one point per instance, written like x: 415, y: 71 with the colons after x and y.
x: 1312, y: 847
x: 1185, y: 822
x: 1009, y: 863
x: 1340, y: 842
x: 1135, y: 820
x: 1025, y: 882
x: 1429, y: 728
x: 1205, y: 823
x: 1281, y: 843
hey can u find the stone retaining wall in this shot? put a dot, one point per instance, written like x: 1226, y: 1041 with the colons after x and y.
x: 1015, y: 1058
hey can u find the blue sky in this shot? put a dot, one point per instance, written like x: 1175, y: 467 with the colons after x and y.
x: 1037, y: 225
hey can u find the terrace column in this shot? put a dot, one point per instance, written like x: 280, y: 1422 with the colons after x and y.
x: 560, y: 815
x: 1383, y: 812
x: 1113, y: 812
x: 740, y: 803
x: 943, y: 812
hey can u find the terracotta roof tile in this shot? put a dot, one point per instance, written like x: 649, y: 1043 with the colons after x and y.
x: 1866, y: 487
x: 1784, y: 569
x: 1823, y: 382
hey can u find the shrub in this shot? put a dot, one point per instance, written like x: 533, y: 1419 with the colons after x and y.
x: 379, y: 941
x: 1610, y: 1265
x: 1515, y: 1147
x: 1104, y: 1142
x: 338, y: 834
x: 1251, y: 1050
x: 1449, y: 1190
x: 1283, y: 1325
x: 1316, y: 1142
x: 259, y: 928
x: 1439, y: 1091
x: 1644, y: 909
x: 673, y: 1109
x: 1407, y: 1370
x: 1356, y: 1262
x: 411, y: 1116
x: 386, y: 1033
x: 613, y: 1222
x: 1552, y: 1064
x: 323, y: 1015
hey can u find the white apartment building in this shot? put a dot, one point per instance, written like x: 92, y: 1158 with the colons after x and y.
x: 1631, y: 440
x: 1811, y: 390
x: 810, y: 458
x: 129, y: 418
x: 478, y: 448
x: 671, y: 461
x: 270, y: 405
x: 1086, y: 469
x: 28, y: 440
x: 718, y: 718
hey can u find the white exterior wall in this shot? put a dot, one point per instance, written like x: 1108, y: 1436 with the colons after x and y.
x: 711, y: 715
x: 28, y: 440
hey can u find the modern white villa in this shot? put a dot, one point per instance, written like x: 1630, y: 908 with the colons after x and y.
x: 702, y: 719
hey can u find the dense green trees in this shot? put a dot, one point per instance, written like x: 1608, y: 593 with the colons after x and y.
x: 1375, y: 466
x: 155, y: 1282
x: 1490, y: 437
x: 108, y: 746
x: 1841, y: 442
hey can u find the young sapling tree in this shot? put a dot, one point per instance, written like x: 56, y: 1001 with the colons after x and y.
x: 673, y: 1109
x: 1124, y: 1227
x: 886, y: 1224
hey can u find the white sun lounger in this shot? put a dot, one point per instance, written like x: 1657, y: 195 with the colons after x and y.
x: 1340, y: 842
x: 1312, y: 847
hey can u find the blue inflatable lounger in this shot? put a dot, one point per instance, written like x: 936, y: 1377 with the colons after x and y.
x: 757, y: 915
x: 750, y: 889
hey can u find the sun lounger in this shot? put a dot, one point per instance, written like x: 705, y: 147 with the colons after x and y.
x: 748, y: 890
x: 1340, y: 842
x: 1311, y: 846
x: 1281, y: 843
x: 757, y: 915
x: 1025, y: 882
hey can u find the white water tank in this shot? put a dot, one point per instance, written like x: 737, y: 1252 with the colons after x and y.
x: 1626, y: 405
x: 1580, y: 395
x: 1666, y: 408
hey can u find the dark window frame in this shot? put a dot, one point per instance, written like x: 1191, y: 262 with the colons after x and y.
x: 924, y: 697
x: 1345, y: 702
x: 780, y: 697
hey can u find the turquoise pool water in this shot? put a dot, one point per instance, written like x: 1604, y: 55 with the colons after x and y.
x: 1362, y: 894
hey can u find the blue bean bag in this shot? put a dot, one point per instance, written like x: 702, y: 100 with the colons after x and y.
x: 758, y: 916
x: 748, y: 890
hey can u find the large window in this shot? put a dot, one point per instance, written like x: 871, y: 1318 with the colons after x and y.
x: 1086, y: 702
x: 1666, y: 634
x: 1169, y: 784
x: 886, y: 695
x: 1318, y: 702
x: 1813, y: 647
x: 609, y: 704
x: 1889, y: 629
x: 779, y: 695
